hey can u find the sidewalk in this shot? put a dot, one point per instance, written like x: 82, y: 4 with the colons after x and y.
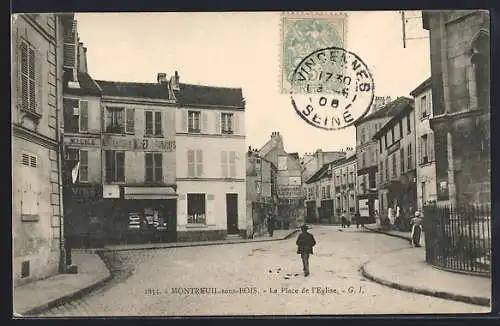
x: 278, y: 236
x: 39, y: 296
x: 407, y: 270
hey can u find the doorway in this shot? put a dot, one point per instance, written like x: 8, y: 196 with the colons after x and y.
x: 232, y: 213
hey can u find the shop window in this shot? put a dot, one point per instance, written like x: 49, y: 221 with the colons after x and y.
x: 153, y: 123
x: 154, y: 167
x: 115, y: 166
x: 196, y: 209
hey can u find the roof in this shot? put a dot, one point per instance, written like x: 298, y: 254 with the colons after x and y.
x: 87, y: 85
x: 388, y: 110
x: 404, y: 105
x: 132, y: 89
x: 198, y: 95
x: 318, y: 175
x: 426, y: 84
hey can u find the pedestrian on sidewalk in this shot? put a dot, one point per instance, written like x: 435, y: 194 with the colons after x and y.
x: 344, y: 220
x: 416, y: 229
x: 305, y: 243
x: 270, y: 223
x: 357, y: 217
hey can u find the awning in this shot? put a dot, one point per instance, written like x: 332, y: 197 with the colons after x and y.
x: 150, y: 193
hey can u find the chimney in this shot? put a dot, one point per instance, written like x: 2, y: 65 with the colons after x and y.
x: 174, y: 81
x: 82, y: 58
x: 161, y: 77
x: 320, y: 159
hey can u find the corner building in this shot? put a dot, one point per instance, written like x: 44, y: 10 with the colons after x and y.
x: 211, y: 163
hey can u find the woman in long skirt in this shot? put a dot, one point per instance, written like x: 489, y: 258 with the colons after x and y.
x: 416, y: 229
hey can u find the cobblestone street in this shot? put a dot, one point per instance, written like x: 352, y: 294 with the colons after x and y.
x: 245, y: 277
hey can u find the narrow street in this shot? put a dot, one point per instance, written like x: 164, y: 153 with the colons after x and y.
x: 245, y: 277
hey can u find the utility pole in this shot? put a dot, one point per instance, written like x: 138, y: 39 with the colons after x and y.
x: 403, y: 21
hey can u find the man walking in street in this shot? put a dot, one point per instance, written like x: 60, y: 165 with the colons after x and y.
x: 305, y: 243
x: 270, y: 223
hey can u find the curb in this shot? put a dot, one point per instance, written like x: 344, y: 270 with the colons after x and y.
x: 389, y: 234
x: 78, y: 294
x: 480, y: 301
x: 187, y: 244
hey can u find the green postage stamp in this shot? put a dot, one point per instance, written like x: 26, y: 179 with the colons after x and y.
x: 305, y: 32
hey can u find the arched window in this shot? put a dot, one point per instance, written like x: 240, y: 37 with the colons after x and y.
x: 480, y: 59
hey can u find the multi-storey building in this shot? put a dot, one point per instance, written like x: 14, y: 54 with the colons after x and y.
x: 396, y: 161
x: 319, y: 195
x: 289, y: 180
x: 312, y: 162
x: 81, y: 141
x: 138, y: 155
x: 36, y: 161
x: 261, y: 190
x: 211, y: 162
x: 426, y: 167
x: 344, y: 177
x: 460, y: 66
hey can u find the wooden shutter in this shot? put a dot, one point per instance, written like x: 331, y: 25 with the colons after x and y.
x: 38, y: 73
x: 158, y: 158
x: 218, y: 129
x: 70, y: 46
x: 130, y: 120
x: 420, y: 151
x: 232, y: 164
x: 149, y: 166
x: 184, y: 120
x: 236, y: 123
x: 430, y: 141
x: 191, y: 163
x: 224, y: 162
x: 199, y: 162
x: 158, y: 123
x: 204, y: 122
x: 84, y: 115
x: 110, y: 161
x: 170, y: 121
x: 120, y: 166
x: 83, y: 174
x: 148, y: 117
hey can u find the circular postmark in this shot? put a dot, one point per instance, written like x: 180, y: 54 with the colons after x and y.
x: 332, y: 88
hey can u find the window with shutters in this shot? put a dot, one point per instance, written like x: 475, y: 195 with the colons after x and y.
x: 232, y: 164
x: 224, y: 164
x: 424, y: 150
x: 195, y: 163
x: 363, y: 159
x: 423, y: 107
x: 196, y: 209
x: 129, y: 121
x: 28, y: 78
x: 76, y: 115
x: 115, y: 166
x: 227, y: 123
x: 328, y: 191
x: 115, y: 120
x: 386, y: 169
x: 153, y: 123
x: 154, y: 167
x: 194, y: 123
x: 408, y: 124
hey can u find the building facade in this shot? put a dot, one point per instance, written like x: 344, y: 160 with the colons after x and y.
x: 312, y: 162
x: 397, y: 162
x: 426, y: 167
x: 261, y: 191
x: 211, y: 162
x: 460, y: 67
x: 290, y: 210
x: 138, y: 158
x: 37, y: 227
x: 344, y: 177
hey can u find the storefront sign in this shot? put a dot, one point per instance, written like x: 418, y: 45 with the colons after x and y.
x: 150, y: 193
x: 140, y: 144
x: 111, y: 191
x: 81, y: 141
x: 85, y: 192
x: 289, y: 191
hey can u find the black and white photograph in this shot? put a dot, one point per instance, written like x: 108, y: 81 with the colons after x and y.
x: 279, y: 163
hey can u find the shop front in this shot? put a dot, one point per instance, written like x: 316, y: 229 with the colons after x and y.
x: 141, y: 214
x: 326, y: 212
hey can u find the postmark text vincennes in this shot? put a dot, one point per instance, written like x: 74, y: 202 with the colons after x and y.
x: 332, y: 88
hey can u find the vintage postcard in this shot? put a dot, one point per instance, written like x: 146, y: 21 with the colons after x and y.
x: 251, y: 163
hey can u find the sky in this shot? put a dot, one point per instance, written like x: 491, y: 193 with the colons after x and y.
x: 243, y: 50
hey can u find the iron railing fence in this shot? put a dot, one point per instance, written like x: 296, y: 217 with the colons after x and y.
x: 458, y: 238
